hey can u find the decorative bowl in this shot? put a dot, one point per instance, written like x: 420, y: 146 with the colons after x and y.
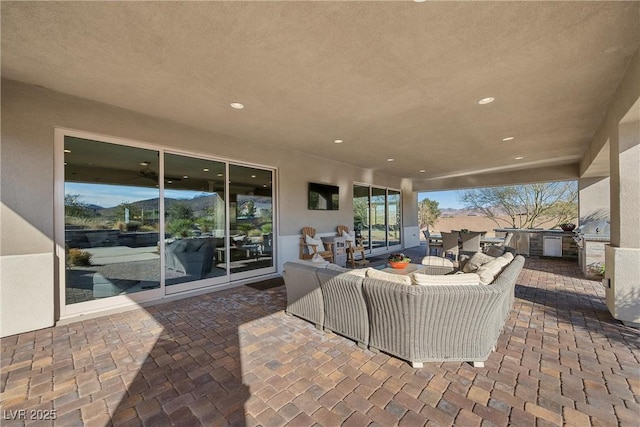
x: 398, y: 264
x: 567, y: 227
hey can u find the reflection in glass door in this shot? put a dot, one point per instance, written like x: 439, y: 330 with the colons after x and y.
x: 377, y: 216
x: 195, y: 226
x: 361, y: 214
x: 111, y: 220
x: 393, y: 218
x: 250, y: 219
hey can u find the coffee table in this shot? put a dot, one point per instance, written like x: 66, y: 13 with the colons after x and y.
x: 417, y: 268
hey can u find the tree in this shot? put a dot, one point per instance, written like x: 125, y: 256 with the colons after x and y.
x: 74, y: 207
x: 526, y: 206
x: 428, y: 213
x: 180, y: 210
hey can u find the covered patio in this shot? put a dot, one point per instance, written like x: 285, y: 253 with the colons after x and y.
x: 235, y: 358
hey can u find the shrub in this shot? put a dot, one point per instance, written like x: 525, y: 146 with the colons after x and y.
x: 266, y: 228
x: 180, y: 227
x: 133, y: 226
x: 78, y: 257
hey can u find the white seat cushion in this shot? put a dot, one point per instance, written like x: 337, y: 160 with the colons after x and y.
x: 437, y: 261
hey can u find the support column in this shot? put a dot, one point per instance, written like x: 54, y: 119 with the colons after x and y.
x: 622, y: 256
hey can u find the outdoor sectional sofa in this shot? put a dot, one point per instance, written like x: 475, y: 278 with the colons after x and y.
x: 417, y: 323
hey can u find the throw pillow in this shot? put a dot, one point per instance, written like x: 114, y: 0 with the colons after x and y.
x: 508, y: 256
x: 476, y: 261
x: 490, y: 270
x: 313, y: 241
x: 390, y: 277
x: 450, y: 279
x: 348, y: 237
x: 495, y: 251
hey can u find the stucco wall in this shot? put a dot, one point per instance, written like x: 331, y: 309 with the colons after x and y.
x: 29, y: 116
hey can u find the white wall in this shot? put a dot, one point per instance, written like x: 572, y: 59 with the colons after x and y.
x: 29, y: 116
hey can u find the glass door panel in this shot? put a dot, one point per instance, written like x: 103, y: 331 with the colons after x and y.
x: 250, y: 219
x: 111, y: 230
x: 195, y: 226
x: 361, y: 214
x: 378, y: 218
x: 394, y: 216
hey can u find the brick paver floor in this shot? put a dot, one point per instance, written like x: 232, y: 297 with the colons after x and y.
x: 234, y: 358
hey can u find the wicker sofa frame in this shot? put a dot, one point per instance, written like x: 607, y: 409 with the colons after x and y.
x: 415, y: 323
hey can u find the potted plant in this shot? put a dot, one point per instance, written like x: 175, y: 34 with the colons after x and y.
x: 567, y: 226
x: 398, y: 260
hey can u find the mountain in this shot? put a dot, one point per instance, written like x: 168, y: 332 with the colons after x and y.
x: 198, y: 204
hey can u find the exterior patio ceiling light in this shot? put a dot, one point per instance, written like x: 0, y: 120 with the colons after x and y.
x: 185, y: 176
x: 486, y: 100
x: 253, y: 176
x: 509, y: 138
x: 390, y: 160
x: 237, y: 105
x: 422, y: 170
x: 67, y: 151
x: 519, y: 158
x: 205, y: 170
x: 220, y: 174
x: 338, y: 141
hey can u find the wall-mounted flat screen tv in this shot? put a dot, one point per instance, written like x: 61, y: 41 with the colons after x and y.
x: 323, y: 197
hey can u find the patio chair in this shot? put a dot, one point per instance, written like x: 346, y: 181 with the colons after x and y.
x: 450, y: 245
x: 433, y: 247
x: 471, y: 241
x: 354, y: 246
x: 311, y: 245
x: 507, y: 239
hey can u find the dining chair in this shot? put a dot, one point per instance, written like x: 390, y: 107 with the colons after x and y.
x: 433, y: 247
x: 450, y: 245
x: 471, y: 241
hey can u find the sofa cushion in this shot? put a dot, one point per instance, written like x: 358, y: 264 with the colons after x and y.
x: 495, y: 250
x: 390, y: 277
x: 451, y: 279
x: 490, y: 270
x: 313, y: 241
x: 476, y: 261
x: 336, y: 267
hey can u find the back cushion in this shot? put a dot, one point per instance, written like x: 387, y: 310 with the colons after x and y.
x: 313, y: 241
x: 490, y: 270
x: 476, y: 261
x: 390, y: 277
x: 451, y: 279
x: 495, y: 251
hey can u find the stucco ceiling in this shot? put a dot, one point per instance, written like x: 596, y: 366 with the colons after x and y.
x: 394, y: 80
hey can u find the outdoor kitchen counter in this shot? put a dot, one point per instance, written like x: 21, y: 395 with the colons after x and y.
x: 529, y: 241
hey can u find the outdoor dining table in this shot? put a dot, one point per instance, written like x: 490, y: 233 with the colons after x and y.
x: 435, y: 240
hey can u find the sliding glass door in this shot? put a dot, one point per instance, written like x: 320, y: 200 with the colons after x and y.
x: 111, y: 220
x: 139, y: 223
x: 377, y: 216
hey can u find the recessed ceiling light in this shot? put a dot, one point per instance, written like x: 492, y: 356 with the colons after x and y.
x: 509, y: 138
x: 65, y: 163
x: 422, y: 170
x: 220, y: 174
x: 338, y: 141
x: 264, y: 185
x: 486, y: 100
x: 185, y: 176
x: 205, y: 170
x: 519, y: 158
x: 419, y: 1
x: 253, y: 176
x: 237, y: 105
x: 144, y: 163
x: 169, y: 181
x: 390, y: 160
x: 67, y: 151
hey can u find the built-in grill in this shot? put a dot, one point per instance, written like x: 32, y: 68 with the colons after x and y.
x: 591, y: 238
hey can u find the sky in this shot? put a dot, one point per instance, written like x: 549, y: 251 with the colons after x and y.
x: 446, y: 199
x: 108, y: 196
